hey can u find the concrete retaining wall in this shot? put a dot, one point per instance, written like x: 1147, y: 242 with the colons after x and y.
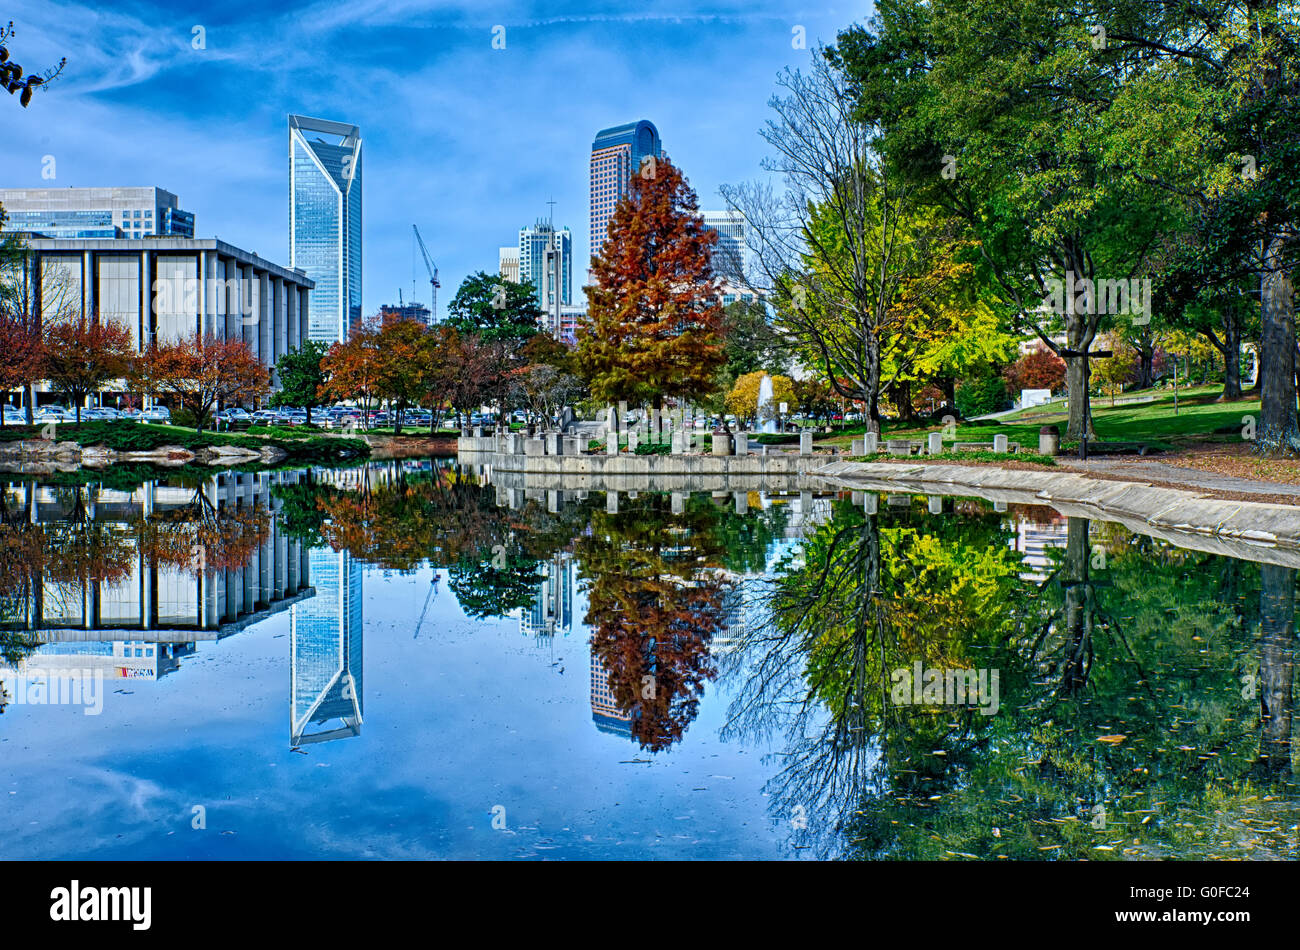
x: 1243, y: 529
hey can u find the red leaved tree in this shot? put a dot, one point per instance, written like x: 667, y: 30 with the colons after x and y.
x: 1038, y: 369
x: 352, y: 368
x: 654, y: 325
x: 83, y: 355
x: 203, y: 371
x: 22, y: 353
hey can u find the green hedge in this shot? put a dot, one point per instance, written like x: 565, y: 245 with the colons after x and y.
x: 777, y: 438
x: 653, y: 448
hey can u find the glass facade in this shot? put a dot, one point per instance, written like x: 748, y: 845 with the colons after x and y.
x: 325, y: 221
x: 615, y: 155
x: 326, y: 633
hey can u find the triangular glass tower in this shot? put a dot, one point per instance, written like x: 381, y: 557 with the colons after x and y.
x: 325, y: 221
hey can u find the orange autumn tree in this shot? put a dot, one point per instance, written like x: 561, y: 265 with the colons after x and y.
x: 352, y: 368
x: 654, y: 323
x: 203, y: 371
x: 83, y: 355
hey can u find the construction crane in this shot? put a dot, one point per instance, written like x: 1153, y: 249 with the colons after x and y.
x: 433, y: 275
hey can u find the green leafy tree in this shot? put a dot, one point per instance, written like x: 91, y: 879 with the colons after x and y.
x: 301, y: 377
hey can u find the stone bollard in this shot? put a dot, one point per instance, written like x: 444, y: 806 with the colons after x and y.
x: 554, y: 443
x: 478, y: 432
x: 679, y: 502
x: 611, y: 442
x: 611, y: 502
x: 856, y: 498
x: 999, y: 443
x: 871, y: 503
x: 553, y: 502
x: 805, y: 442
x: 721, y: 443
x: 742, y: 502
x: 676, y: 447
x: 935, y: 504
x: 1049, y: 440
x: 935, y: 446
x: 572, y: 445
x: 858, y: 447
x: 633, y: 437
x: 742, y: 443
x: 871, y: 443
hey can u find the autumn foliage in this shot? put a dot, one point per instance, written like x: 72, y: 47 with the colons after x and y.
x: 1039, y: 369
x: 202, y: 372
x: 655, y: 319
x: 82, y: 355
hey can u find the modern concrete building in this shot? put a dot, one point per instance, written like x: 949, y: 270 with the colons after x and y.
x: 165, y: 289
x: 95, y: 212
x: 508, y: 263
x: 325, y: 221
x: 616, y: 154
x: 729, y: 252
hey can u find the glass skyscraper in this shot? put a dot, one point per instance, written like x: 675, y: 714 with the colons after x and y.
x: 616, y: 155
x: 325, y: 221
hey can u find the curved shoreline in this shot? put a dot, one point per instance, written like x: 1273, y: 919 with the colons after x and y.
x: 1245, y: 529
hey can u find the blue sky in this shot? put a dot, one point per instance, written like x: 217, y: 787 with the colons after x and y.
x: 467, y: 141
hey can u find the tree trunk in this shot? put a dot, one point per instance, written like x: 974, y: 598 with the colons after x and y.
x: 1276, y: 666
x: 1231, y: 355
x: 1277, y: 343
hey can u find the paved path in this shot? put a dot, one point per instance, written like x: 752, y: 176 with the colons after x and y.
x: 1193, y: 478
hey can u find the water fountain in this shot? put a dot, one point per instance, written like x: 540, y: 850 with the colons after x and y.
x: 766, y: 411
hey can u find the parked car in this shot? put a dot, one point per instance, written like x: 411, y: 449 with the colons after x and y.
x: 156, y: 414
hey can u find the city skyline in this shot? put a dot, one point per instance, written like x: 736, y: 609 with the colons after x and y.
x: 441, y: 150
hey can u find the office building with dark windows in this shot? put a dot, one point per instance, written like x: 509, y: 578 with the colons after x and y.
x: 616, y: 154
x: 325, y: 221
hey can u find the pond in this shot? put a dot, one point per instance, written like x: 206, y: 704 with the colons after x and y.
x: 406, y: 660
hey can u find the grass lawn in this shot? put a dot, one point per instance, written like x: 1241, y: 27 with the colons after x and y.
x: 1200, y: 418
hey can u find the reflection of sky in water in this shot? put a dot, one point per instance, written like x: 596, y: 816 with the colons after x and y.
x: 469, y: 715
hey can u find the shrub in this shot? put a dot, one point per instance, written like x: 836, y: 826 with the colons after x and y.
x: 184, y: 417
x: 777, y: 438
x: 653, y: 448
x: 982, y: 395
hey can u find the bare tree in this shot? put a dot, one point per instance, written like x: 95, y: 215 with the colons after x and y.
x: 828, y: 247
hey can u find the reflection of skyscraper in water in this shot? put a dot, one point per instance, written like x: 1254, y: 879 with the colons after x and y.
x: 325, y: 656
x: 604, y: 710
x: 552, y: 608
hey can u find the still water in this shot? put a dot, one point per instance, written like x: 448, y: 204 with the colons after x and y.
x: 406, y: 660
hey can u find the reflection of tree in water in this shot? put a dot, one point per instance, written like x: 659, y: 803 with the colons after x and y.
x: 445, y: 517
x: 659, y: 587
x: 1124, y: 729
x: 861, y: 600
x: 202, y: 537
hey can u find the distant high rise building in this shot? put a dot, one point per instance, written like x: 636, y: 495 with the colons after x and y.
x: 729, y: 252
x: 407, y: 311
x: 552, y: 608
x: 615, y: 155
x: 508, y: 263
x: 325, y: 651
x: 95, y: 212
x: 605, y: 711
x: 325, y: 221
x: 546, y: 259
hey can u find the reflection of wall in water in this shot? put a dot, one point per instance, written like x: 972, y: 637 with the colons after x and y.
x: 1033, y: 539
x: 325, y: 652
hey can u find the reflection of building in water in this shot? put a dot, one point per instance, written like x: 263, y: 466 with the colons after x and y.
x: 325, y: 655
x: 1033, y: 539
x: 151, y: 613
x: 552, y: 608
x: 604, y: 710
